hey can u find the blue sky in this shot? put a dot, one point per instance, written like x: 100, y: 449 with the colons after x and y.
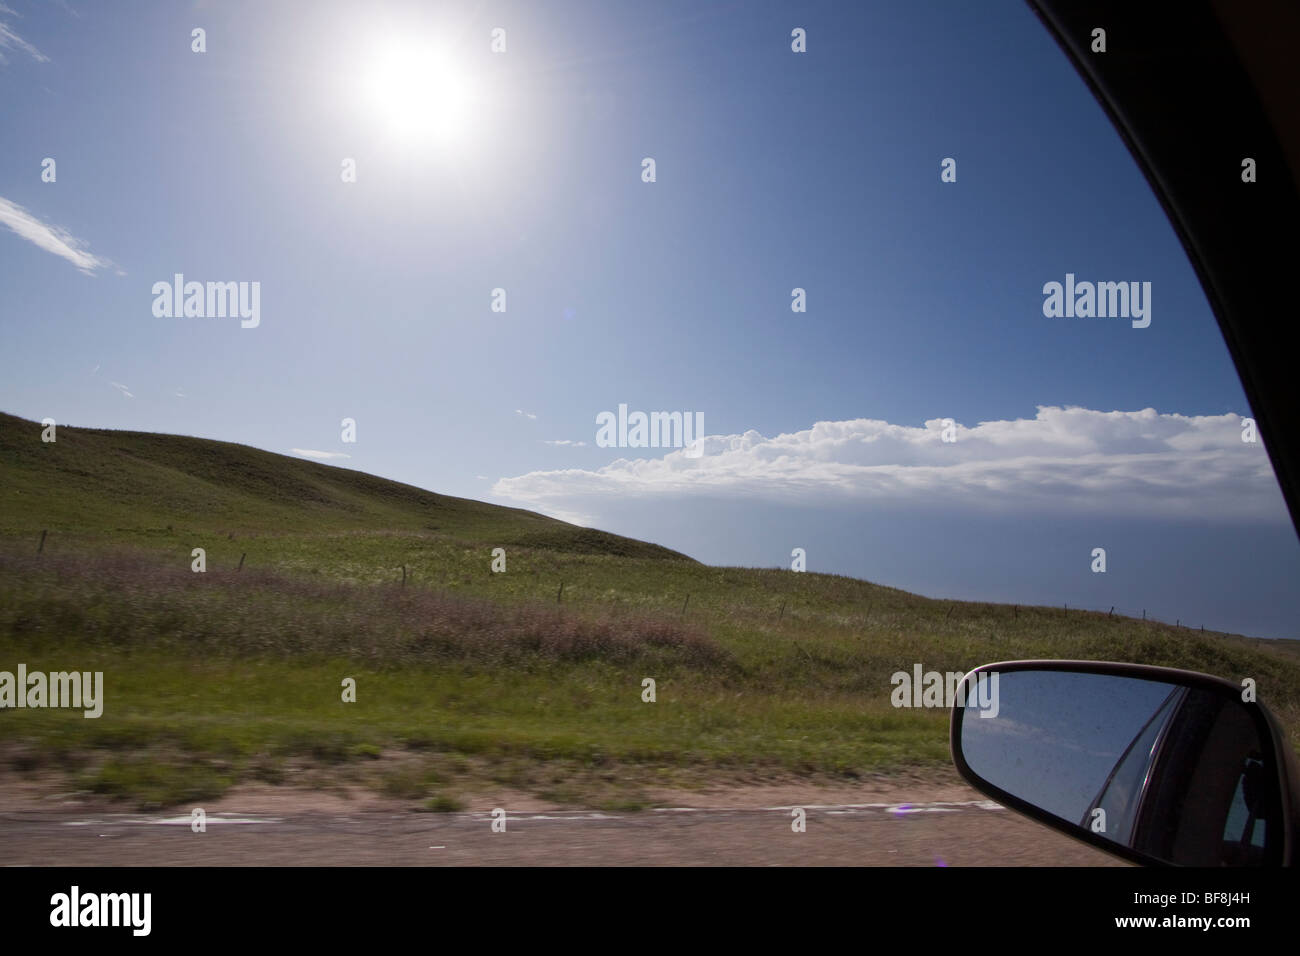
x: 522, y: 170
x: 1058, y: 736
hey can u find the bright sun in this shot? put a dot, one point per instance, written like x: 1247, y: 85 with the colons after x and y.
x: 419, y: 93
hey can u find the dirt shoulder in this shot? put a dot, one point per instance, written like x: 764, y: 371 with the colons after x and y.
x: 50, y: 793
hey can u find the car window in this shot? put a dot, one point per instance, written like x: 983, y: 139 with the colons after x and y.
x: 637, y: 399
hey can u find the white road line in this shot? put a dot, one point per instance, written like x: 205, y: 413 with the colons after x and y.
x: 941, y: 806
x: 829, y: 809
x: 172, y: 821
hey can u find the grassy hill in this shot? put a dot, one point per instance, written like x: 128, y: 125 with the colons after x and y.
x: 468, y: 681
x: 133, y: 484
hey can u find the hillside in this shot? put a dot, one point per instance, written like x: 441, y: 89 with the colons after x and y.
x: 469, y: 682
x: 93, y: 481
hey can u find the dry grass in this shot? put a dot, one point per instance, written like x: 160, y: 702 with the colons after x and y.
x: 129, y: 600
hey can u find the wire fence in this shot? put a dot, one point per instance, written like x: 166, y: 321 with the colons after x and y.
x: 1135, y: 613
x: 1145, y: 614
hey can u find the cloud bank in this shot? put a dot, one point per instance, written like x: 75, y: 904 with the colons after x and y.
x: 1063, y: 461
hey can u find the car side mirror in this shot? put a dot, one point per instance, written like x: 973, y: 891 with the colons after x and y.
x: 1153, y: 764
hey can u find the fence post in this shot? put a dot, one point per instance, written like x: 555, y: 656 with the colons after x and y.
x: 403, y: 575
x: 686, y: 602
x: 241, y: 561
x: 560, y: 593
x: 782, y: 614
x: 41, y: 547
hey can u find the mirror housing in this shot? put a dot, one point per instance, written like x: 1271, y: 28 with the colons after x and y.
x: 1156, y: 765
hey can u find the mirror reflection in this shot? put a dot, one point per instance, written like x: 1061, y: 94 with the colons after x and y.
x: 1175, y: 772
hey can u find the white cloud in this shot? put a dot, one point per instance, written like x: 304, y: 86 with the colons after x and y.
x: 124, y: 389
x: 564, y: 441
x: 1064, y: 460
x: 312, y: 453
x: 50, y: 238
x: 520, y: 411
x: 9, y: 40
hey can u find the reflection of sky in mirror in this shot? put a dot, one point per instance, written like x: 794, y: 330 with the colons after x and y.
x: 1058, y: 735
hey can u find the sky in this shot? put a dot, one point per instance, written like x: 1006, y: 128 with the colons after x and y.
x: 457, y: 244
x: 1057, y: 736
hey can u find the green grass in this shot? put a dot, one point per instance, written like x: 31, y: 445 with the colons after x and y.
x: 443, y: 803
x: 112, y: 487
x: 466, y: 680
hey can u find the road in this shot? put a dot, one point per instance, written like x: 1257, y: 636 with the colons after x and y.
x: 961, y: 832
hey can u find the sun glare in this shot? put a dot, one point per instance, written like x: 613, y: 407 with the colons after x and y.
x: 419, y: 93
